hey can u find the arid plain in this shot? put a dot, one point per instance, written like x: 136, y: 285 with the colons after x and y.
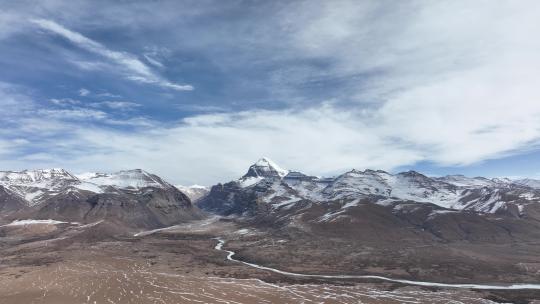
x: 73, y: 263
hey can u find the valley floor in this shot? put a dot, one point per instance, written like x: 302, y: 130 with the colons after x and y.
x: 71, y: 263
x: 126, y: 281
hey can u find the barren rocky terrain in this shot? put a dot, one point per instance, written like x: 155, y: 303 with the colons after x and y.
x: 73, y: 263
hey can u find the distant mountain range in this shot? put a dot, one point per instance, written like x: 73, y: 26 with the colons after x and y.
x: 139, y: 199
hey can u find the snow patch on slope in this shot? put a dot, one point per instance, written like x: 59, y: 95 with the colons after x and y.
x: 249, y: 181
x: 124, y: 179
x: 194, y: 192
x: 33, y: 222
x: 89, y: 187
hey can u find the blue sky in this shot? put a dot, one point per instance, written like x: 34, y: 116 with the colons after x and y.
x: 196, y: 91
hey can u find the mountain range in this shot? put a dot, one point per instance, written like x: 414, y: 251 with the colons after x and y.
x: 267, y: 183
x: 133, y: 197
x: 442, y: 228
x: 140, y: 199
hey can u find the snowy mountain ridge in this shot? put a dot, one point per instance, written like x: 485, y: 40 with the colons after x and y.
x: 281, y: 188
x: 135, y: 178
x: 34, y: 176
x: 35, y: 186
x: 194, y: 192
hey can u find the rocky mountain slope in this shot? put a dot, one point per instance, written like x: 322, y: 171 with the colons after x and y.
x: 10, y: 201
x: 138, y: 198
x: 377, y: 222
x: 267, y: 183
x: 133, y: 197
x: 384, y: 206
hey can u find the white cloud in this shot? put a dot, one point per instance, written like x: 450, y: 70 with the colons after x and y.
x: 64, y: 101
x: 396, y: 48
x: 63, y: 120
x: 162, y: 83
x: 73, y: 114
x: 204, y: 148
x: 321, y: 140
x: 117, y: 105
x: 211, y: 148
x: 90, y: 65
x: 83, y: 92
x: 107, y: 94
x: 153, y: 61
x: 136, y: 70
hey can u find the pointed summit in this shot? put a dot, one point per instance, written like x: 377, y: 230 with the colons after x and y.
x: 267, y: 162
x: 264, y: 168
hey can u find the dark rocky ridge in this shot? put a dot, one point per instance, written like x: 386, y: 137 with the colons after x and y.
x: 145, y: 208
x: 10, y: 202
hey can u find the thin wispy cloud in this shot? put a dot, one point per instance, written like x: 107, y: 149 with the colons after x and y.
x: 118, y: 105
x: 107, y: 94
x: 73, y: 114
x: 137, y: 70
x: 153, y: 61
x: 64, y: 101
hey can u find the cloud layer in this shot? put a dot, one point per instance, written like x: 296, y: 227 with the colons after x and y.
x: 318, y: 88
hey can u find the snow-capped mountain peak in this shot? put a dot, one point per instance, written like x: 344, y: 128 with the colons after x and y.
x: 37, y: 186
x: 264, y: 168
x: 267, y: 182
x: 135, y: 178
x: 502, y: 180
x: 86, y: 175
x: 33, y: 176
x: 464, y: 181
x: 32, y: 185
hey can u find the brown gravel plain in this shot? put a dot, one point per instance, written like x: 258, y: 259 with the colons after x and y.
x: 73, y: 263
